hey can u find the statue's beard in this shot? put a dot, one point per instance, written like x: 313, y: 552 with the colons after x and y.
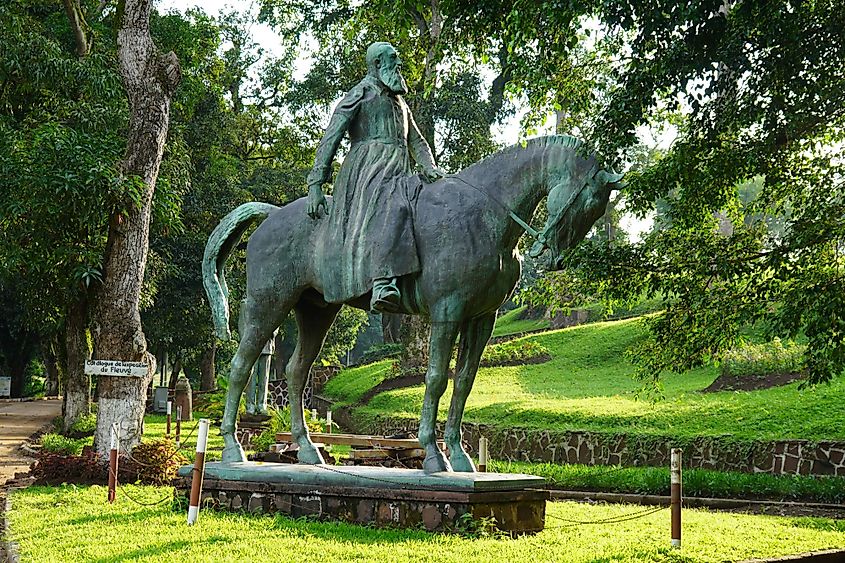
x: 393, y: 80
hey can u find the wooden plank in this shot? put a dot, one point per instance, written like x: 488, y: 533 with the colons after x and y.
x: 357, y: 440
x: 381, y: 453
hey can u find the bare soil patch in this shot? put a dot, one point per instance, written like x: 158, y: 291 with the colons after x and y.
x: 735, y: 383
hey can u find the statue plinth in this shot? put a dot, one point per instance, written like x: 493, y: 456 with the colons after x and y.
x: 379, y: 496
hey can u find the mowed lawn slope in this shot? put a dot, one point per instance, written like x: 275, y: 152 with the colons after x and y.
x: 588, y: 386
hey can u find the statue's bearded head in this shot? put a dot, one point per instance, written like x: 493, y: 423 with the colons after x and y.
x: 383, y: 62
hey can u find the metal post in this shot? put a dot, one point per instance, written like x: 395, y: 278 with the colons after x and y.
x: 178, y: 425
x: 115, y: 444
x: 328, y: 422
x: 199, y: 470
x: 313, y: 414
x: 676, y: 492
x: 482, y: 454
x: 169, y: 410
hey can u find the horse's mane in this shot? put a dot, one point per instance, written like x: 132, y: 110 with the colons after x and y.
x: 563, y: 141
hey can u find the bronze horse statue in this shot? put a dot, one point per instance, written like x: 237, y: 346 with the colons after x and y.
x: 467, y: 228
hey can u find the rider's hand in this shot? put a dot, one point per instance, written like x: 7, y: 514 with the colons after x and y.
x: 316, y: 201
x: 433, y: 173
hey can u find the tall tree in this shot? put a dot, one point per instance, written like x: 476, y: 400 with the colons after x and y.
x: 762, y: 90
x: 149, y: 78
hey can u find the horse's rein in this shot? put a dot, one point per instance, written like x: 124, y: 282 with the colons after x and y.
x: 531, y: 231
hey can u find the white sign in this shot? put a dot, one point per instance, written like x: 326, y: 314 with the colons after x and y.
x: 5, y: 386
x: 115, y: 367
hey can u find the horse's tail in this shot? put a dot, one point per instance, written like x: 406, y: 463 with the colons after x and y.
x: 223, y: 239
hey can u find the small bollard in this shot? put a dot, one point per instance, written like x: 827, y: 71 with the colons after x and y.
x: 482, y: 454
x: 199, y: 470
x: 115, y: 444
x: 328, y: 422
x: 313, y: 414
x: 169, y: 410
x: 178, y: 425
x: 676, y: 492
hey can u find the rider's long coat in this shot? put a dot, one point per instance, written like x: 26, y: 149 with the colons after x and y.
x: 368, y: 233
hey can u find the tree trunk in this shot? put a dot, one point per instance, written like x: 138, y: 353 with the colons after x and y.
x: 174, y: 374
x: 149, y: 79
x: 415, y: 337
x: 208, y: 377
x: 51, y: 367
x: 77, y: 397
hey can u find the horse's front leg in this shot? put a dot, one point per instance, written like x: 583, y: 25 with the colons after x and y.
x: 474, y: 338
x: 440, y: 351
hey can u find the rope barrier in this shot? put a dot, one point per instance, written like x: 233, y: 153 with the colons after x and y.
x: 610, y: 520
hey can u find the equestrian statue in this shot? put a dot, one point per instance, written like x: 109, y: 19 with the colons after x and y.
x: 391, y: 240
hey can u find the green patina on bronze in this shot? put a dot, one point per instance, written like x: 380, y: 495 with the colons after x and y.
x: 457, y: 238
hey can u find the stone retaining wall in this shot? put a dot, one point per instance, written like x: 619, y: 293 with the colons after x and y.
x: 782, y: 457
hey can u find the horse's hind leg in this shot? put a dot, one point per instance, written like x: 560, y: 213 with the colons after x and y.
x: 257, y: 322
x: 474, y: 338
x: 313, y: 323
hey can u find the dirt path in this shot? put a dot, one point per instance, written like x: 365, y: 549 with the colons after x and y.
x: 19, y: 421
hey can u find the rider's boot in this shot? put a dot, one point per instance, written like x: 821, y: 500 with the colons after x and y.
x: 386, y: 296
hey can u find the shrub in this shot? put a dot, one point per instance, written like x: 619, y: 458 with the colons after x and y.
x: 212, y: 405
x: 54, y: 468
x: 381, y: 352
x: 761, y: 360
x: 62, y: 445
x: 280, y: 422
x: 83, y: 427
x: 514, y: 352
x: 152, y: 463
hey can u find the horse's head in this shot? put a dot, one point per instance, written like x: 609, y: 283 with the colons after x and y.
x: 577, y: 199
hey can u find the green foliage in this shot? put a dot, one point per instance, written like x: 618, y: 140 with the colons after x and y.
x: 342, y: 335
x: 154, y: 462
x: 280, y: 422
x: 760, y: 360
x: 697, y: 482
x: 514, y: 352
x: 83, y: 426
x: 58, y: 444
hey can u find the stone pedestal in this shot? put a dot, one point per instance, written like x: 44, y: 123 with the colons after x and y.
x: 378, y: 496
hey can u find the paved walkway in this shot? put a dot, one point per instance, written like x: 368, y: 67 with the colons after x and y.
x: 19, y: 421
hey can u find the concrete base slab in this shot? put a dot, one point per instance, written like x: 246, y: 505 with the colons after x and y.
x: 373, y: 495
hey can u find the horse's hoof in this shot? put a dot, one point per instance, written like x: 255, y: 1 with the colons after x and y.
x: 461, y: 461
x: 436, y: 463
x: 233, y: 454
x: 311, y: 456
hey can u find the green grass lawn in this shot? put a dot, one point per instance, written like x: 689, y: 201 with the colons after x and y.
x: 76, y: 524
x: 588, y: 386
x: 510, y: 323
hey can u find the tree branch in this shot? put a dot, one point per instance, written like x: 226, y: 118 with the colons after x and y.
x: 78, y: 26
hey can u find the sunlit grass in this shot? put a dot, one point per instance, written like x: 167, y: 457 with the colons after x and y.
x: 588, y: 386
x: 76, y: 524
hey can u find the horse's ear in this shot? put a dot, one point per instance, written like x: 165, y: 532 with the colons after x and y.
x: 605, y: 177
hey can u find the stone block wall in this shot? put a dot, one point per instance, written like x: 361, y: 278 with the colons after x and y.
x: 782, y: 457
